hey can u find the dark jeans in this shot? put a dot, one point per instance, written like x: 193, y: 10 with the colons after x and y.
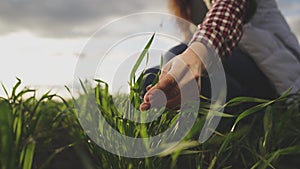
x: 243, y: 77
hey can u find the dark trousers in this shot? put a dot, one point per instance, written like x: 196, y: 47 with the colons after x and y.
x: 243, y: 77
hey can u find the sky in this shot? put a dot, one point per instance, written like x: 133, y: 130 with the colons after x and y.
x: 41, y: 41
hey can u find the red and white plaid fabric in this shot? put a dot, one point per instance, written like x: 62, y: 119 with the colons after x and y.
x: 222, y: 28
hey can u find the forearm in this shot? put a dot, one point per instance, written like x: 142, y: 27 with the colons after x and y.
x: 222, y: 26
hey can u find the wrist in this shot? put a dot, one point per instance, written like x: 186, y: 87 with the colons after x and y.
x: 198, y: 50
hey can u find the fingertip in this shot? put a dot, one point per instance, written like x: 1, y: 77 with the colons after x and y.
x: 146, y: 97
x: 149, y: 94
x: 148, y: 87
x: 144, y: 106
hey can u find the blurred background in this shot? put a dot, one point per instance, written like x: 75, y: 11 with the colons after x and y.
x: 41, y: 41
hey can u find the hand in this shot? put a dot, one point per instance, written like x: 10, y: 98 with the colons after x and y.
x: 175, y: 78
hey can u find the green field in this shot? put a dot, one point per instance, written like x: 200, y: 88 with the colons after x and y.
x: 44, y: 132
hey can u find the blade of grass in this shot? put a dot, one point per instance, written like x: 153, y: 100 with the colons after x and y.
x: 256, y: 108
x: 140, y: 59
x: 29, y: 154
x: 15, y: 87
x: 268, y: 125
x: 7, y: 156
x: 83, y: 87
x: 5, y: 91
x: 285, y: 151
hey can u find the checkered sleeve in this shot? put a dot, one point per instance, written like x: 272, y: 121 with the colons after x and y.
x: 222, y: 26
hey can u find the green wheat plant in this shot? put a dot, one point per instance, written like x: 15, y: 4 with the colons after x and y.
x: 227, y: 148
x: 45, y: 132
x: 30, y: 126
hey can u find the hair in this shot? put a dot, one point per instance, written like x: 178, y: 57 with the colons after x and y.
x: 183, y: 9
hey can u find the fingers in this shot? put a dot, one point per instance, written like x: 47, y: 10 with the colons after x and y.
x: 145, y: 106
x: 171, y: 74
x: 148, y: 87
x: 164, y: 71
x: 159, y: 100
x: 165, y: 84
x: 176, y: 82
x: 167, y: 90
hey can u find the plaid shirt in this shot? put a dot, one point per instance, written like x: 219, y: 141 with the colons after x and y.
x: 222, y: 28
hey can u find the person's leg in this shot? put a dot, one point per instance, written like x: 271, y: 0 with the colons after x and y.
x: 244, y: 70
x: 176, y: 50
x: 233, y: 86
x: 234, y: 89
x: 151, y: 74
x: 243, y: 77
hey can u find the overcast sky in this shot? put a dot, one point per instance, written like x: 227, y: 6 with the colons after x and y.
x: 75, y: 18
x: 41, y: 39
x: 67, y: 18
x: 291, y: 10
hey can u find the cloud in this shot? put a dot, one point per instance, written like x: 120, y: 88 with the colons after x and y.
x: 65, y: 18
x: 80, y: 18
x: 291, y: 11
x: 294, y: 23
x: 289, y: 7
